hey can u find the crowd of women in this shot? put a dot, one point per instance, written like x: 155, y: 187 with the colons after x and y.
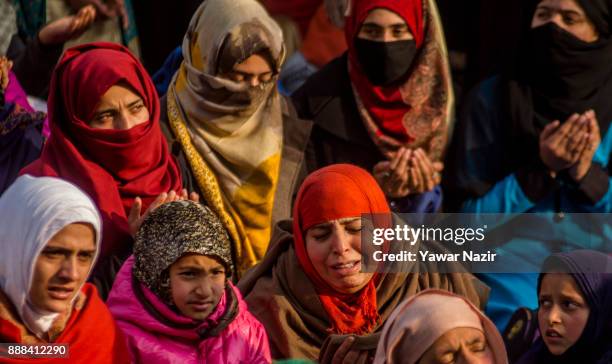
x: 213, y: 212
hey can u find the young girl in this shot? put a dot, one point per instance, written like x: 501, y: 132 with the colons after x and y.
x: 575, y: 310
x: 173, y: 299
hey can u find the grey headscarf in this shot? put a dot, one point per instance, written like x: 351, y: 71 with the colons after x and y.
x: 171, y: 231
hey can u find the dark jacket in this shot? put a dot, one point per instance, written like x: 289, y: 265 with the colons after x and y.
x: 338, y: 134
x: 33, y: 63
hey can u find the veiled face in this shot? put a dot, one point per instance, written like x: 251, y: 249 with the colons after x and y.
x: 567, y: 15
x: 334, y: 248
x: 383, y: 25
x: 119, y: 108
x: 254, y: 71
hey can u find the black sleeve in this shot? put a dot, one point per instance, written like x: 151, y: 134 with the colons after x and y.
x: 33, y: 63
x: 594, y: 185
x: 474, y: 161
x: 535, y: 181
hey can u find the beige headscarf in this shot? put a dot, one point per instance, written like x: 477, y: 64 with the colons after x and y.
x: 424, y: 318
x: 231, y: 133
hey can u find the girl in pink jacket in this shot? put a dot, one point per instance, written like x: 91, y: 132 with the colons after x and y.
x: 173, y: 298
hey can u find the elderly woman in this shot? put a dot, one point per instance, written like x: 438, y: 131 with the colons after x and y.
x: 174, y: 293
x: 575, y: 310
x: 439, y: 327
x: 537, y: 140
x: 228, y: 126
x: 106, y: 139
x: 311, y: 292
x: 386, y: 105
x: 50, y: 237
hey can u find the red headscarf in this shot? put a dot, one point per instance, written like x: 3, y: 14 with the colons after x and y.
x: 112, y: 166
x: 331, y: 193
x: 385, y: 105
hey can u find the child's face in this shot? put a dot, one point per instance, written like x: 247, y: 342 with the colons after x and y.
x: 563, y: 312
x: 197, y: 283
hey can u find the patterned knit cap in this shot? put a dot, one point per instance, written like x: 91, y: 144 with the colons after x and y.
x: 171, y: 231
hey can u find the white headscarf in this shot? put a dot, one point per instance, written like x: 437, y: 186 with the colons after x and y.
x: 32, y: 211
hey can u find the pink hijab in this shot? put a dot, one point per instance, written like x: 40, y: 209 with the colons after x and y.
x: 424, y: 318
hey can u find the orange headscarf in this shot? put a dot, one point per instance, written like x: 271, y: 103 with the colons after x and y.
x: 332, y: 193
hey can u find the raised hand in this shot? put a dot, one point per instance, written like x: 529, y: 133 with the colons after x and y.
x: 392, y: 176
x: 135, y: 218
x: 562, y: 145
x: 106, y: 9
x: 591, y: 143
x: 68, y: 27
x: 424, y: 175
x: 410, y: 171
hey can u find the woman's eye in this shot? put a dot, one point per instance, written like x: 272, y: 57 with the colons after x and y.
x: 479, y: 348
x: 237, y: 77
x: 354, y: 226
x: 374, y: 33
x: 218, y: 272
x: 137, y: 108
x: 570, y: 20
x: 85, y: 257
x: 266, y: 77
x: 103, y: 118
x: 52, y: 254
x: 187, y: 274
x: 545, y: 302
x: 354, y: 230
x: 399, y: 33
x: 571, y: 305
x: 320, y: 237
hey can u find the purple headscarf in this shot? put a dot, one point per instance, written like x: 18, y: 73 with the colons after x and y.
x: 592, y: 272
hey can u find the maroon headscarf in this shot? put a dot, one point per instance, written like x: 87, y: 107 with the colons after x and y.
x: 112, y: 166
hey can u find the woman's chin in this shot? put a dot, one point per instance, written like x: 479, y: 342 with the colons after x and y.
x: 351, y: 284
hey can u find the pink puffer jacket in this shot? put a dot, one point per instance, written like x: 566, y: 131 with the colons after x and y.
x: 176, y: 340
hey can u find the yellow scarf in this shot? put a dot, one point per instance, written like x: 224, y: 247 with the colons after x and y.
x: 233, y: 147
